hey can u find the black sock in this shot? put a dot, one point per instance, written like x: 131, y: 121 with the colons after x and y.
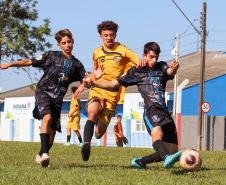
x: 44, y: 142
x: 80, y: 139
x: 68, y: 138
x: 159, y: 147
x: 88, y: 131
x: 155, y: 157
x: 50, y: 146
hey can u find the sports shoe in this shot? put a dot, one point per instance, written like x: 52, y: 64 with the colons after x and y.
x: 85, y: 151
x: 135, y: 163
x: 171, y: 159
x: 79, y: 144
x: 38, y: 159
x: 44, y: 161
x: 67, y: 144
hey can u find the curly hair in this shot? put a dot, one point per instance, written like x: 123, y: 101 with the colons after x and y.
x: 107, y: 25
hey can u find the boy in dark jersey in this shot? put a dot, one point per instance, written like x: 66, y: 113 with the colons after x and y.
x: 151, y: 82
x: 60, y: 69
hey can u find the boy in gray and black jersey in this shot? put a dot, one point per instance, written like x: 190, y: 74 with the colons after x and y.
x: 60, y: 69
x: 151, y: 82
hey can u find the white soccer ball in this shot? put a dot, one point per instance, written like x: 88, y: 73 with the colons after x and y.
x: 190, y: 159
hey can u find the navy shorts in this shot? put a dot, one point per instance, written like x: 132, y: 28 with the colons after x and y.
x: 44, y: 104
x: 157, y: 116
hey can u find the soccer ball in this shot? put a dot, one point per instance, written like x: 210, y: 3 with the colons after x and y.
x: 190, y: 159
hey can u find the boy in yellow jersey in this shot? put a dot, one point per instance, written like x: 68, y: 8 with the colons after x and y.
x: 74, y: 118
x: 116, y: 60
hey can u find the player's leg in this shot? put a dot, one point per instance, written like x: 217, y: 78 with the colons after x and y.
x: 141, y: 162
x: 76, y: 128
x: 68, y: 136
x: 171, y: 143
x: 162, y: 124
x: 94, y: 107
x: 78, y: 135
x: 155, y: 120
x: 45, y: 139
x: 104, y: 119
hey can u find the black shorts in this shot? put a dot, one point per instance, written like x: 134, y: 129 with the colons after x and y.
x: 157, y: 116
x: 44, y: 104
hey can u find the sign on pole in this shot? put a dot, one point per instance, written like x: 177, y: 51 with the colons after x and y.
x: 205, y: 107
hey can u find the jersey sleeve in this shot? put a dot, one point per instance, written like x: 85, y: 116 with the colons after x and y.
x: 95, y: 63
x: 164, y: 66
x: 128, y: 79
x: 41, y: 61
x: 132, y: 56
x: 82, y: 72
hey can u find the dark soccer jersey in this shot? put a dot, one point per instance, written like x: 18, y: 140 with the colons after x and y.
x: 151, y: 83
x: 59, y: 72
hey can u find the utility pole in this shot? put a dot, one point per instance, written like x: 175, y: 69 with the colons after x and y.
x: 202, y: 75
x: 176, y: 76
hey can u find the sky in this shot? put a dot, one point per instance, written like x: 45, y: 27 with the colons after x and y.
x: 139, y: 22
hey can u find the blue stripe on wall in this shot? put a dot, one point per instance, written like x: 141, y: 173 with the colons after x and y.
x: 214, y: 94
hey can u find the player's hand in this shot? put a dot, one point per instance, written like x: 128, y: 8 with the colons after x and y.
x: 87, y: 80
x: 79, y: 91
x: 98, y: 72
x: 174, y: 65
x: 4, y: 66
x: 142, y: 63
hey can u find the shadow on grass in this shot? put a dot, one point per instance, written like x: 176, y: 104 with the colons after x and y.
x: 106, y: 166
x: 180, y: 171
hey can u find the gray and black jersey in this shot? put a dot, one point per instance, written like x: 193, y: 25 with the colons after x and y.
x: 151, y: 83
x: 59, y: 72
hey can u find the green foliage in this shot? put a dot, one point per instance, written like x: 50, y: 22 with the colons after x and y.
x: 107, y: 165
x: 18, y: 36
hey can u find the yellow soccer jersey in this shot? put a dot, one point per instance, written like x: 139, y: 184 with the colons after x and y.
x: 74, y: 104
x: 74, y: 120
x: 116, y: 61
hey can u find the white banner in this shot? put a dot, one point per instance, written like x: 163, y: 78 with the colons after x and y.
x: 133, y: 109
x: 19, y: 108
x: 16, y: 119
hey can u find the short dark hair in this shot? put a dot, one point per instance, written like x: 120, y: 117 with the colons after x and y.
x: 152, y: 46
x: 107, y: 25
x: 62, y: 33
x: 119, y: 116
x: 74, y: 88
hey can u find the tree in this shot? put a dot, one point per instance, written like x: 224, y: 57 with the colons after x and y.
x: 19, y: 38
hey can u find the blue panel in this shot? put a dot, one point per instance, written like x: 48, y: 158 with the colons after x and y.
x: 214, y: 94
x: 1, y: 107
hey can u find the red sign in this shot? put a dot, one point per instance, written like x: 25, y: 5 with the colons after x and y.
x: 205, y: 107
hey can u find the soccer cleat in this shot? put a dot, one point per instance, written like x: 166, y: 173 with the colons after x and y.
x: 171, y: 159
x: 44, y: 161
x: 135, y: 163
x: 38, y: 158
x: 85, y: 151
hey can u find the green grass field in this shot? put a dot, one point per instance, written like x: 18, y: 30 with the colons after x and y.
x: 107, y: 165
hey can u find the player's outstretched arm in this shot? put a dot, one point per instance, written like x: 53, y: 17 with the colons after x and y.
x: 104, y: 84
x: 20, y: 63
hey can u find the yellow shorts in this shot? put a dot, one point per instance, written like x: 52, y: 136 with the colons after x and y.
x: 107, y: 110
x: 73, y: 123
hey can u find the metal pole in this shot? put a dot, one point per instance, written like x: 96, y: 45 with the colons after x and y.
x: 176, y: 76
x: 202, y: 76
